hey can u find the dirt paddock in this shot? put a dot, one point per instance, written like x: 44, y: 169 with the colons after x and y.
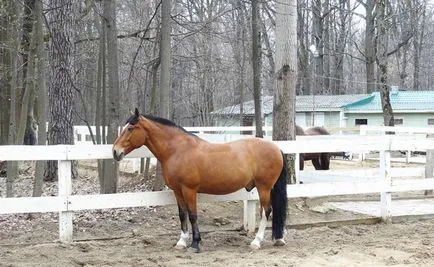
x: 145, y: 236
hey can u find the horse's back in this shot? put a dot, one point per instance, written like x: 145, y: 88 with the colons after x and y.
x: 257, y: 147
x: 228, y: 167
x: 317, y: 130
x: 266, y: 156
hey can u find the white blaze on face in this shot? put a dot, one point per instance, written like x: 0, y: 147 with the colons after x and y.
x: 125, y: 126
x: 116, y: 149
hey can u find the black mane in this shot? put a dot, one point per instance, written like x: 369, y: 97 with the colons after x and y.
x: 134, y: 120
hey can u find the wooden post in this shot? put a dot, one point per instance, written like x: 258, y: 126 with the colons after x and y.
x: 249, y: 220
x: 65, y: 190
x: 386, y: 197
x: 429, y: 165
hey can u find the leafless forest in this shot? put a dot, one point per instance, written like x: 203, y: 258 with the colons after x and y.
x: 91, y: 62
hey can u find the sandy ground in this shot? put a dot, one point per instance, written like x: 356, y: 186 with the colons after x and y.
x: 145, y: 236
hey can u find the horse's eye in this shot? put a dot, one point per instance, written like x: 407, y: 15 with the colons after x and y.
x: 130, y: 129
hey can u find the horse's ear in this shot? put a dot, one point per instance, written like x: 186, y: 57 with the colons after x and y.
x: 136, y: 113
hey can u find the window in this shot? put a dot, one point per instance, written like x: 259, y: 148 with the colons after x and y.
x: 361, y: 121
x: 398, y: 121
x: 88, y: 138
x: 431, y: 121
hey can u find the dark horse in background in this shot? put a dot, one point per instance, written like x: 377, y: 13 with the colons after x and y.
x: 321, y: 161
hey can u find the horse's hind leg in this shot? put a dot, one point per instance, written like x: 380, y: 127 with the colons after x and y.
x: 325, y: 161
x: 264, y: 197
x: 182, y: 208
x: 317, y: 163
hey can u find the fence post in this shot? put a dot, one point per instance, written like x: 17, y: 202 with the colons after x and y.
x: 65, y: 190
x: 362, y: 153
x: 386, y: 197
x: 408, y: 152
x: 297, y: 168
x: 249, y: 219
x: 429, y: 165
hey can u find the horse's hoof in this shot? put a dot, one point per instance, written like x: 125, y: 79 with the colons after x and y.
x: 180, y: 247
x: 255, y: 245
x: 279, y: 242
x: 193, y: 250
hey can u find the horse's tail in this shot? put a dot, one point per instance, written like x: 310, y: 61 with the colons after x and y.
x: 279, y: 202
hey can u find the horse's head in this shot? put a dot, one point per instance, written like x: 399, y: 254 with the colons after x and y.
x: 132, y: 136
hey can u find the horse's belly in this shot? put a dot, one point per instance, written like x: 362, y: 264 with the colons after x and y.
x: 310, y: 156
x: 225, y: 186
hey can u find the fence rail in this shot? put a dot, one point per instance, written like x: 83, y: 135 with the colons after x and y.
x: 66, y: 203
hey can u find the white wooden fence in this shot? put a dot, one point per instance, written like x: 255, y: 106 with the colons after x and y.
x: 397, y: 130
x: 66, y: 203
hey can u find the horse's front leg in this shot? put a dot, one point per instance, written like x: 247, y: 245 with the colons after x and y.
x: 183, y: 211
x: 301, y: 162
x: 190, y: 197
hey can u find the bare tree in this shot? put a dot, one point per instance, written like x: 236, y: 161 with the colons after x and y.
x: 256, y: 64
x: 165, y: 84
x: 110, y: 180
x: 61, y: 88
x: 369, y: 52
x: 41, y: 95
x: 381, y: 59
x: 286, y: 76
x: 12, y: 64
x: 418, y: 22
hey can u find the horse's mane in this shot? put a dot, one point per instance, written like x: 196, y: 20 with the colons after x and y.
x: 133, y: 120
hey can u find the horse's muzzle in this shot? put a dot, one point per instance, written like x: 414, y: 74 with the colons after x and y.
x: 118, y: 156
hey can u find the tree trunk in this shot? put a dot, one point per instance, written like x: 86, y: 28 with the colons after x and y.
x: 325, y: 49
x: 370, y: 46
x: 318, y: 40
x: 165, y: 82
x: 256, y: 64
x: 25, y: 126
x: 61, y: 89
x: 239, y: 51
x: 418, y: 41
x: 338, y: 87
x: 304, y: 84
x: 41, y: 96
x: 100, y: 110
x: 286, y: 76
x: 4, y: 87
x: 113, y: 111
x: 12, y: 60
x: 382, y: 41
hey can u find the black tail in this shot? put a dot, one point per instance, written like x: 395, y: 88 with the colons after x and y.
x: 279, y: 203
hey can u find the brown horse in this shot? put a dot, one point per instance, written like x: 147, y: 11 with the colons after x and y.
x: 321, y: 161
x: 191, y: 165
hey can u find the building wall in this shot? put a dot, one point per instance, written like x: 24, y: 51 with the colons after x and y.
x: 226, y: 121
x: 328, y: 119
x: 376, y: 119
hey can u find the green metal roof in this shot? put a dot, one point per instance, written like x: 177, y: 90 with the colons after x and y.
x: 303, y: 103
x: 400, y: 101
